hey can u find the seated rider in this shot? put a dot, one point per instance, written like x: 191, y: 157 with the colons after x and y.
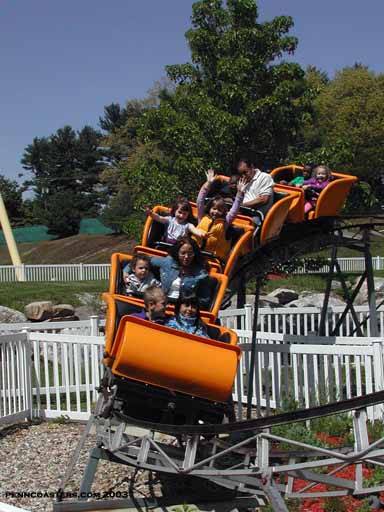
x: 179, y: 223
x: 258, y: 194
x: 137, y: 275
x: 187, y: 316
x: 214, y: 219
x: 155, y: 302
x: 300, y: 177
x: 183, y: 271
x: 321, y: 177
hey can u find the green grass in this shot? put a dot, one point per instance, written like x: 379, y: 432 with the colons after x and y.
x: 313, y: 283
x: 18, y: 295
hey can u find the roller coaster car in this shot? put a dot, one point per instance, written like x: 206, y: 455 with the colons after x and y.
x: 217, y: 282
x: 330, y: 200
x: 284, y: 200
x: 161, y: 374
x: 284, y: 203
x: 241, y: 233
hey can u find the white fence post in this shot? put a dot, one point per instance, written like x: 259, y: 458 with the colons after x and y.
x: 378, y: 373
x: 81, y: 272
x: 248, y: 317
x: 28, y: 376
x: 94, y: 320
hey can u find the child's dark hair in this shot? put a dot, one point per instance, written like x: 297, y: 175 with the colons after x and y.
x: 248, y: 160
x: 138, y: 257
x: 218, y: 200
x: 182, y: 203
x: 188, y: 299
x: 174, y: 250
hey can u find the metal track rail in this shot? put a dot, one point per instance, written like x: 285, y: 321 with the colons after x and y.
x: 262, y: 423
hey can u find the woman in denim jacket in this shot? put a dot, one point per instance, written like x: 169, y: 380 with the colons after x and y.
x: 183, y: 272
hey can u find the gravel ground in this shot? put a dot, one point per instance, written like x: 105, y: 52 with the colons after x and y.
x: 34, y: 457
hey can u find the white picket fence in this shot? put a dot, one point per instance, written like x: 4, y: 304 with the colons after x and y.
x: 352, y: 264
x: 300, y: 321
x: 100, y: 271
x: 49, y: 375
x: 62, y: 272
x: 309, y: 370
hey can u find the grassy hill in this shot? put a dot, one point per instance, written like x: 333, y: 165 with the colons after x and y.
x: 74, y: 249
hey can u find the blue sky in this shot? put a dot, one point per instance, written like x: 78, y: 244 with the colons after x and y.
x: 61, y: 62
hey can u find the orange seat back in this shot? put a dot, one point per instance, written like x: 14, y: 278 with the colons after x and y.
x: 287, y: 172
x: 332, y: 198
x: 277, y: 214
x: 119, y: 259
x: 160, y: 356
x: 112, y: 319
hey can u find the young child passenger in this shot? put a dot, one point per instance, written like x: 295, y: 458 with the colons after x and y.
x: 187, y: 316
x: 214, y: 219
x: 138, y: 276
x: 179, y: 223
x: 298, y: 181
x: 155, y: 302
x: 321, y: 177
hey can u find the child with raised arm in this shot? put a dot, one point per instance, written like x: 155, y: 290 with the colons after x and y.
x: 137, y: 275
x: 321, y: 177
x: 179, y: 222
x: 214, y: 219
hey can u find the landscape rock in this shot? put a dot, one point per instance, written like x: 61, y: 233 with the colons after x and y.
x: 362, y: 296
x: 266, y: 301
x: 283, y: 295
x: 39, y: 311
x: 70, y: 318
x: 63, y: 310
x: 11, y: 316
x: 315, y: 300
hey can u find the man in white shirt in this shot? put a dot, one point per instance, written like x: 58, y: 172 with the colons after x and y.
x: 259, y: 191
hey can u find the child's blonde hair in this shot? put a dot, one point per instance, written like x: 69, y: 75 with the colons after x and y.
x: 323, y: 167
x: 153, y: 294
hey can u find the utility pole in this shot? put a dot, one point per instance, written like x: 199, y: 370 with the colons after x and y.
x: 10, y: 241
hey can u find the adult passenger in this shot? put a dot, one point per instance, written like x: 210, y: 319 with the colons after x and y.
x: 258, y: 194
x: 183, y: 271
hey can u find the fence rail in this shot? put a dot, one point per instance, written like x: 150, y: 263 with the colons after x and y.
x: 50, y: 375
x: 15, y: 377
x: 100, y: 271
x: 300, y: 321
x: 64, y: 272
x: 309, y: 371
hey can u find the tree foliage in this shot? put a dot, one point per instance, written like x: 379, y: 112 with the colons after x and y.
x: 236, y: 95
x: 347, y: 129
x: 67, y: 163
x: 12, y: 196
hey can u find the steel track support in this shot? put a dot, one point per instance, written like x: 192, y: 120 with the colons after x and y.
x: 370, y: 286
x: 89, y: 473
x: 272, y: 493
x: 251, y: 376
x: 362, y: 246
x: 324, y: 310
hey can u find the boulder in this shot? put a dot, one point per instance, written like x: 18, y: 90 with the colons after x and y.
x: 362, y: 296
x: 11, y: 316
x: 264, y: 301
x: 315, y: 300
x: 283, y: 295
x: 70, y: 318
x: 63, y: 310
x: 39, y: 311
